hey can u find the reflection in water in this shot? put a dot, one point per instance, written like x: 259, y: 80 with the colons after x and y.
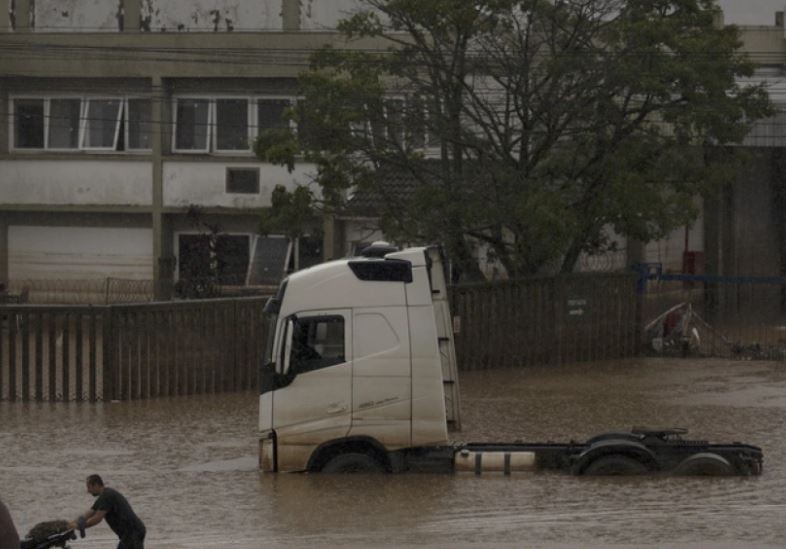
x: 188, y: 466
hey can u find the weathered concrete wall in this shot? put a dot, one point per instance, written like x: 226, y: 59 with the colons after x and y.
x: 78, y: 15
x: 204, y: 184
x: 75, y: 182
x: 761, y: 43
x: 325, y: 14
x: 211, y: 15
x: 79, y: 252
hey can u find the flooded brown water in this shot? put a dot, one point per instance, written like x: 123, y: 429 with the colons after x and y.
x: 188, y: 466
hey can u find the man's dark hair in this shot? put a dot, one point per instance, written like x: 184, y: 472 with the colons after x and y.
x: 95, y: 479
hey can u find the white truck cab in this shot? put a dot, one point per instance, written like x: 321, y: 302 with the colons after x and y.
x: 359, y: 361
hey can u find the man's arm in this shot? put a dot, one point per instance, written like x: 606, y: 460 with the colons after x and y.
x: 91, y: 518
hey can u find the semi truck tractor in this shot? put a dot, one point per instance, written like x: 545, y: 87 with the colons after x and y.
x: 360, y: 375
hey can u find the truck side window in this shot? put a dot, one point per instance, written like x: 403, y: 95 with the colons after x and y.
x: 317, y: 342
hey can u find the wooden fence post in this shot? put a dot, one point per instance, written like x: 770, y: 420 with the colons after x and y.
x: 234, y: 325
x: 39, y: 351
x: 557, y: 293
x: 109, y: 349
x: 92, y: 376
x: 25, y: 321
x: 52, y: 346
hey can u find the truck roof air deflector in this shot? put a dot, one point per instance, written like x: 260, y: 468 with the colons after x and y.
x: 384, y: 270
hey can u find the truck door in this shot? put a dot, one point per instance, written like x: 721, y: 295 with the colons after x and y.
x: 313, y: 403
x: 382, y: 376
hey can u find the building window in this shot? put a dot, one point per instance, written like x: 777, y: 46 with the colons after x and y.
x: 73, y: 124
x: 64, y: 117
x: 29, y: 123
x: 102, y: 124
x: 232, y: 125
x: 139, y: 128
x: 243, y: 180
x: 192, y: 124
x: 402, y: 123
x: 225, y: 124
x: 270, y: 113
x: 394, y: 121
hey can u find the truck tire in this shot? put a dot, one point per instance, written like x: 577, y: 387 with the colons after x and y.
x: 353, y: 463
x: 704, y: 464
x: 615, y: 464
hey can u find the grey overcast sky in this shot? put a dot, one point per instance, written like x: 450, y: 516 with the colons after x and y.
x: 751, y: 12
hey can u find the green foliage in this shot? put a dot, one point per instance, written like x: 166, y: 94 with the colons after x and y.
x: 290, y: 213
x: 527, y: 126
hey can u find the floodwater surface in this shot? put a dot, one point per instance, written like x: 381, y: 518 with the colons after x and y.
x: 188, y: 467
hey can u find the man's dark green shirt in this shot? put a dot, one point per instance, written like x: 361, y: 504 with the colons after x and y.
x: 119, y: 515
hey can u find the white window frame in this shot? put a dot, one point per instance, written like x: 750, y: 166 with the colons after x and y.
x: 176, y: 123
x: 385, y: 114
x: 429, y: 148
x: 212, y: 137
x: 250, y: 106
x: 127, y: 127
x: 362, y: 129
x: 47, y: 118
x: 12, y: 122
x: 85, y: 115
x: 291, y: 101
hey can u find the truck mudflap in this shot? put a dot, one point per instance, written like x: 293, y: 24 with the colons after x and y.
x: 641, y: 451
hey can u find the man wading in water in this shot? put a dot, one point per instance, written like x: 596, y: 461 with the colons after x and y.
x: 112, y: 506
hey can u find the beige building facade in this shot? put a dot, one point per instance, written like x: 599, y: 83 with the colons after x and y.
x: 119, y: 117
x: 122, y: 116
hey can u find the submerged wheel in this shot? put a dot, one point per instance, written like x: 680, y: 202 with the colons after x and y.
x: 705, y: 464
x: 616, y: 464
x: 353, y: 463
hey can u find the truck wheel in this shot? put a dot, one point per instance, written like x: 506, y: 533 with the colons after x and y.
x: 353, y: 463
x: 616, y: 464
x: 704, y: 464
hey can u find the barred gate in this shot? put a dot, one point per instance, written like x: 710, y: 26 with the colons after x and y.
x: 122, y: 352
